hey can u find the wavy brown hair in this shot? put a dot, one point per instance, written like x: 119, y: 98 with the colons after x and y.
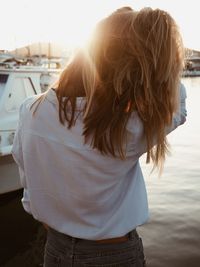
x: 132, y: 63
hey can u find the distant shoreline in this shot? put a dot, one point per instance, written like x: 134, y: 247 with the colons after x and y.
x: 191, y: 73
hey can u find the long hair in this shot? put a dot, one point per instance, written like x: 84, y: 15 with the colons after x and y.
x: 132, y: 63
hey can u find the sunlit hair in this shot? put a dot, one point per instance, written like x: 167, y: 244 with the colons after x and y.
x: 133, y: 63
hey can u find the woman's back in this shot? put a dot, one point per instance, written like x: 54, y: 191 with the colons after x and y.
x: 76, y: 184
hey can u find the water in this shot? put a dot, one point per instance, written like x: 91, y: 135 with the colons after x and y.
x: 172, y: 236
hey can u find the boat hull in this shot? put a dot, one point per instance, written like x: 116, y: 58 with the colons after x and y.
x: 9, y: 175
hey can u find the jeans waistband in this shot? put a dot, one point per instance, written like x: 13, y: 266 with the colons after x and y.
x: 129, y: 236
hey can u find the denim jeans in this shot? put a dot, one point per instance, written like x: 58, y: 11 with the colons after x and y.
x: 65, y: 251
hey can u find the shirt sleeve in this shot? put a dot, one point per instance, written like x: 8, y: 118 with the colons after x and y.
x: 180, y: 116
x: 17, y: 154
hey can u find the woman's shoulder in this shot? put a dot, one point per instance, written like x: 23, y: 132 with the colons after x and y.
x: 28, y: 103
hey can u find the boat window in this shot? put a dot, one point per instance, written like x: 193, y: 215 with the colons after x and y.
x: 20, y: 90
x: 3, y: 78
x: 3, y: 81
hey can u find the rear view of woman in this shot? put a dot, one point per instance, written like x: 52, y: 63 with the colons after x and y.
x: 78, y: 145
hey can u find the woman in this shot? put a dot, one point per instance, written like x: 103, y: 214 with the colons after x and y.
x: 78, y: 145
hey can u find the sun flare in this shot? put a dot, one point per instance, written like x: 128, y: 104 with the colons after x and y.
x: 71, y: 22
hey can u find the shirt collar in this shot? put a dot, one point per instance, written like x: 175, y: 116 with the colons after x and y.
x: 51, y: 97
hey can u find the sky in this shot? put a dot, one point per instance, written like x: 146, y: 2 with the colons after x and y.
x: 70, y: 22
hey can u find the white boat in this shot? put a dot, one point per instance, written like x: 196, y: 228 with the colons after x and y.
x: 17, y: 82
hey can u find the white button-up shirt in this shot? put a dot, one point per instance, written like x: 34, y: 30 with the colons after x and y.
x: 70, y: 186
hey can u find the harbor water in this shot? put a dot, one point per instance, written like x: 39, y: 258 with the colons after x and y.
x: 172, y: 235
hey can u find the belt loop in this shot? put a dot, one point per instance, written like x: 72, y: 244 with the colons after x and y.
x: 132, y: 234
x: 73, y: 240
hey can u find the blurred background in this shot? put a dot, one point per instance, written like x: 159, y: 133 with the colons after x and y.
x: 37, y: 38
